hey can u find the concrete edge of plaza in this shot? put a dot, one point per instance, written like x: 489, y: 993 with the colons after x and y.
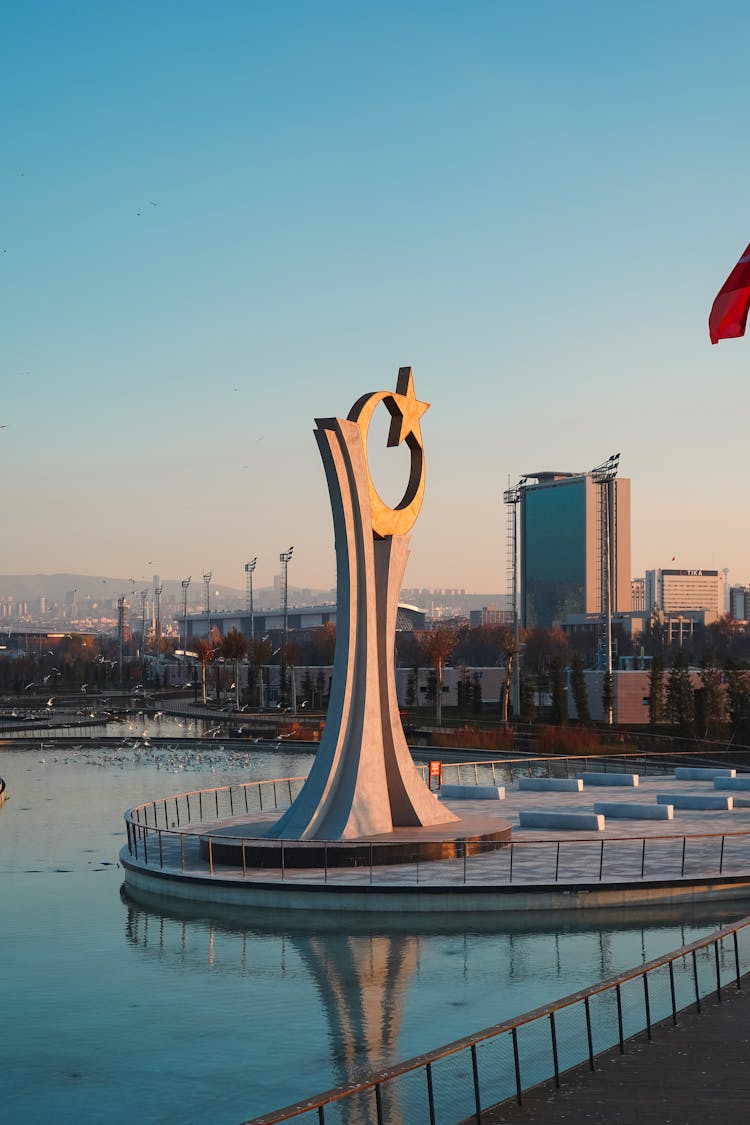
x: 213, y: 890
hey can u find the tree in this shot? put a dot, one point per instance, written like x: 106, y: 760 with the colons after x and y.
x: 709, y: 700
x: 580, y: 694
x: 738, y: 703
x: 260, y: 655
x: 680, y: 696
x: 527, y: 707
x: 476, y: 693
x: 204, y: 653
x: 234, y: 648
x: 508, y: 653
x: 437, y: 646
x: 559, y: 693
x: 608, y: 695
x: 656, y: 690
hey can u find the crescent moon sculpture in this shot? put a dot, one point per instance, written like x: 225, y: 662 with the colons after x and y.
x: 405, y: 411
x: 363, y: 782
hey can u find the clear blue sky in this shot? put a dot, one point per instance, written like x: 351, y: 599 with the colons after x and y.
x: 221, y: 220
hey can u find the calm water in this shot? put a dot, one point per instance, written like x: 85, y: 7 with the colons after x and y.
x: 119, y: 1011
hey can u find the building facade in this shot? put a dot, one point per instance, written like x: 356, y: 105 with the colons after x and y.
x: 675, y: 591
x: 561, y: 535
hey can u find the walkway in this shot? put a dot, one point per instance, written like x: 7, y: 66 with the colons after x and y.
x: 696, y: 1073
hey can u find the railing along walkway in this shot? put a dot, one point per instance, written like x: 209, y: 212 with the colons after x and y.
x: 162, y: 834
x: 464, y: 1080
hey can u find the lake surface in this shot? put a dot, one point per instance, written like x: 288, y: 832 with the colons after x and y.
x: 120, y: 1011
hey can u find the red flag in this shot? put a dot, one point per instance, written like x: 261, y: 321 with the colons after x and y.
x: 729, y: 311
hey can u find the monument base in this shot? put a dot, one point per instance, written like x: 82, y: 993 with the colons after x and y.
x: 252, y: 848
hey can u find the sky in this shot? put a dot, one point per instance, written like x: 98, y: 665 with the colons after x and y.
x: 219, y: 221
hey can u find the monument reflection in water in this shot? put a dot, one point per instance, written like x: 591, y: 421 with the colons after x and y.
x: 390, y: 994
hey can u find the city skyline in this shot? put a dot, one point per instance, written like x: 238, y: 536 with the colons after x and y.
x: 214, y: 232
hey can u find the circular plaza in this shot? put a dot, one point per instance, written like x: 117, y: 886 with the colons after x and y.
x: 527, y: 834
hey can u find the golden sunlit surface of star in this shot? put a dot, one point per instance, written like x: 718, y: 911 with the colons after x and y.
x: 406, y: 411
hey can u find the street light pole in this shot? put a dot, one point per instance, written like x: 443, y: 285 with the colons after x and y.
x: 284, y: 559
x: 249, y: 569
x: 207, y: 576
x: 185, y: 583
x: 604, y: 477
x: 144, y: 596
x: 157, y: 621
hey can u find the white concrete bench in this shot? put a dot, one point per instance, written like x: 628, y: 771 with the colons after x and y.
x: 630, y: 779
x: 702, y: 773
x: 473, y: 792
x: 580, y: 822
x: 629, y: 810
x: 733, y: 783
x: 696, y: 801
x: 551, y: 784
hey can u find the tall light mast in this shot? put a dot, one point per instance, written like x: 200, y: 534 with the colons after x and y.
x: 512, y: 498
x: 185, y: 584
x: 284, y: 559
x: 603, y: 477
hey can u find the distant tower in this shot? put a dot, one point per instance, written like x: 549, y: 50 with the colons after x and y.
x: 725, y: 572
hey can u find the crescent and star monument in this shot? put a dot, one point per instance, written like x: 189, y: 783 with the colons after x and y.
x: 363, y: 781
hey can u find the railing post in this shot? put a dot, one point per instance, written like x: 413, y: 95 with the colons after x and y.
x: 695, y: 979
x: 718, y: 972
x: 648, y: 1004
x: 721, y: 856
x: 465, y: 850
x: 601, y: 861
x: 430, y: 1093
x: 589, y: 1036
x: 557, y: 861
x: 475, y: 1073
x: 378, y: 1103
x: 516, y: 1065
x: 161, y: 850
x: 510, y: 875
x: 672, y: 993
x: 643, y: 857
x: 619, y: 1019
x: 210, y: 855
x: 555, y: 1061
x: 244, y: 861
x: 684, y: 845
x: 177, y: 811
x: 737, y: 959
x: 244, y: 790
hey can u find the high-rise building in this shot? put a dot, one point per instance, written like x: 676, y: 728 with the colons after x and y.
x: 562, y: 539
x: 680, y: 591
x: 739, y: 603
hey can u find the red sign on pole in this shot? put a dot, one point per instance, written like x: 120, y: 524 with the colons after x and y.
x: 436, y: 775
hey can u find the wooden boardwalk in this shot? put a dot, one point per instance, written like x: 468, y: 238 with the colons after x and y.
x: 696, y: 1073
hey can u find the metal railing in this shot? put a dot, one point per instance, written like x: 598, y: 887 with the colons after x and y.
x: 159, y: 835
x: 462, y: 1080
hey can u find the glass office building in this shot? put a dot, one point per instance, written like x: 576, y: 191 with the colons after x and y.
x: 560, y: 541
